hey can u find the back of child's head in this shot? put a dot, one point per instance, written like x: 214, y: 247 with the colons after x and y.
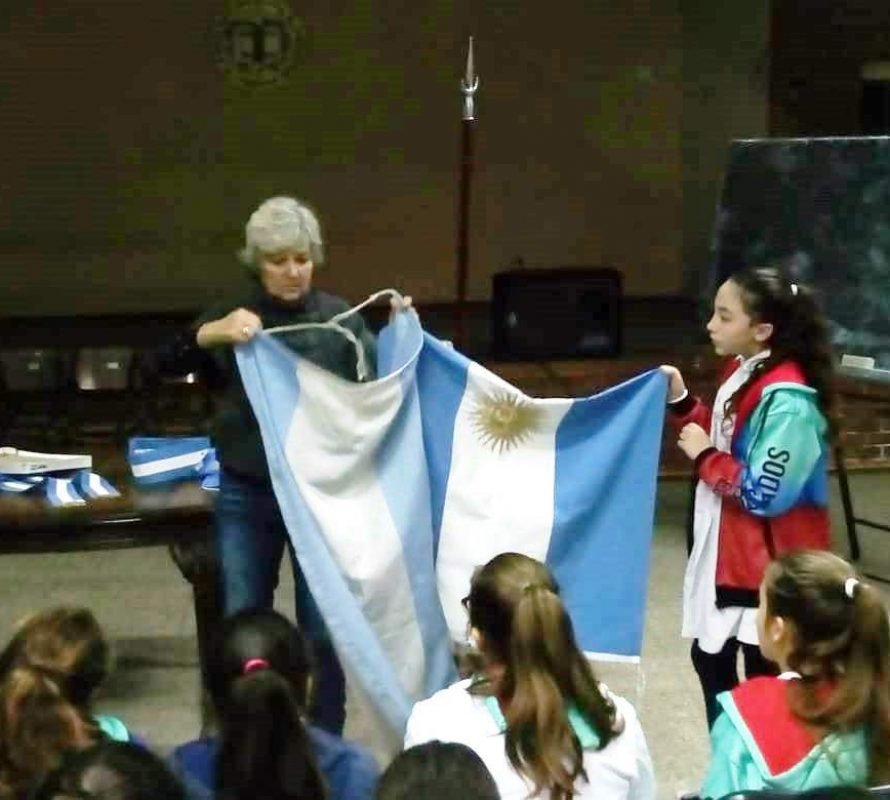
x: 800, y: 331
x: 437, y: 771
x: 840, y: 644
x: 514, y: 604
x: 258, y: 677
x: 111, y: 771
x: 66, y: 643
x: 48, y: 673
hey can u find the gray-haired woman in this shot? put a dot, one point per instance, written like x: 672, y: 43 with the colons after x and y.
x: 283, y: 245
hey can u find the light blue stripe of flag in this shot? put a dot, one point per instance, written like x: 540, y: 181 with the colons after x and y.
x: 606, y: 469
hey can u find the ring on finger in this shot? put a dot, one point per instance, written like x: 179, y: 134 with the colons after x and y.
x: 246, y: 330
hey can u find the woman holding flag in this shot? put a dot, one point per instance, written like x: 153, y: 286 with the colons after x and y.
x: 283, y: 245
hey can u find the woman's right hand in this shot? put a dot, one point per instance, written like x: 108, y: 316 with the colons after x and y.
x: 236, y: 327
x: 676, y: 385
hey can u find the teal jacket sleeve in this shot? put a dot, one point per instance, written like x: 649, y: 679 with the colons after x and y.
x: 786, y: 445
x: 781, y: 448
x: 731, y: 768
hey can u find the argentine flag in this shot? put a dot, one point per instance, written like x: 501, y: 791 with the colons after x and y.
x: 394, y: 490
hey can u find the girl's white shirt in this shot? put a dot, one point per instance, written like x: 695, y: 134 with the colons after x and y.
x: 622, y: 770
x: 702, y: 619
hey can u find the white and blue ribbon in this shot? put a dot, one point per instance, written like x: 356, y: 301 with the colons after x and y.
x: 166, y: 459
x: 61, y: 488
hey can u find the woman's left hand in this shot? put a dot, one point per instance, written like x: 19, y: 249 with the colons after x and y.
x: 693, y: 440
x: 397, y: 304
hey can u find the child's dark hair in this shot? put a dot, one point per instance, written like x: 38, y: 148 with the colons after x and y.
x: 437, y: 771
x: 111, y: 771
x: 48, y: 673
x: 514, y: 603
x: 800, y: 333
x: 258, y: 678
x: 841, y: 639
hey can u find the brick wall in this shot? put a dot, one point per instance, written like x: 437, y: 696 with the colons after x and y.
x: 865, y: 421
x: 864, y: 408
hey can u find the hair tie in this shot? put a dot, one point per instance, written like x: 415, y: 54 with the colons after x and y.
x: 794, y: 288
x: 850, y: 587
x: 254, y: 664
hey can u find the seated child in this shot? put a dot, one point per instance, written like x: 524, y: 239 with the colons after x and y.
x: 535, y: 713
x: 111, y: 770
x: 437, y: 771
x: 48, y: 673
x: 825, y: 721
x: 258, y: 676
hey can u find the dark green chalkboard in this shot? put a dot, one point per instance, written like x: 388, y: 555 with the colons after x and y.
x: 820, y: 208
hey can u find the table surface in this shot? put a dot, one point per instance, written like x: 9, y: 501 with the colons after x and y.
x: 141, y: 516
x: 881, y: 376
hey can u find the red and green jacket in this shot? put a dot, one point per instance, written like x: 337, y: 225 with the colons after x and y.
x: 773, y: 482
x: 758, y: 743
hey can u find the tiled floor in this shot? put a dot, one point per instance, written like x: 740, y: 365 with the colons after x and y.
x: 146, y: 608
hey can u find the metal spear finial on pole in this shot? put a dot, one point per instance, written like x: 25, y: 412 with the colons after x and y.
x: 469, y: 84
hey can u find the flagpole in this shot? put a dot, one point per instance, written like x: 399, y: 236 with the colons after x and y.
x: 468, y: 87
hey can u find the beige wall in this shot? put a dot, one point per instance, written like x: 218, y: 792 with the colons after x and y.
x: 130, y: 164
x: 726, y: 63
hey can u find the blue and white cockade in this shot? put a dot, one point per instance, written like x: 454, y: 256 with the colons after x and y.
x: 60, y: 489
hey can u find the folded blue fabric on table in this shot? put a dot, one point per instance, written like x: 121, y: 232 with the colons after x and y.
x: 166, y: 459
x: 60, y: 488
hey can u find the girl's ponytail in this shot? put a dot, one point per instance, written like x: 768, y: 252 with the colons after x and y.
x: 808, y: 342
x: 866, y: 682
x: 548, y: 687
x: 539, y: 740
x: 265, y: 750
x: 258, y: 675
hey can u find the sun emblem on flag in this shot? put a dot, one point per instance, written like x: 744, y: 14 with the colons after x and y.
x: 504, y: 420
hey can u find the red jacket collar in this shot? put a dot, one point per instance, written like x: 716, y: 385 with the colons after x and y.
x: 764, y: 706
x: 783, y: 372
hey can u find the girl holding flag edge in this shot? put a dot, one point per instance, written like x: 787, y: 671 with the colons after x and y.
x: 760, y: 456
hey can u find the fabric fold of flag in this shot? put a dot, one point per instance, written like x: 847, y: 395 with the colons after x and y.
x: 347, y: 465
x: 394, y: 490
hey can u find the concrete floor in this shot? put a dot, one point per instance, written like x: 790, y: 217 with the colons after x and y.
x: 146, y: 608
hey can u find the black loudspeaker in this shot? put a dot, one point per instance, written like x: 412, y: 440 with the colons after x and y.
x: 566, y: 312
